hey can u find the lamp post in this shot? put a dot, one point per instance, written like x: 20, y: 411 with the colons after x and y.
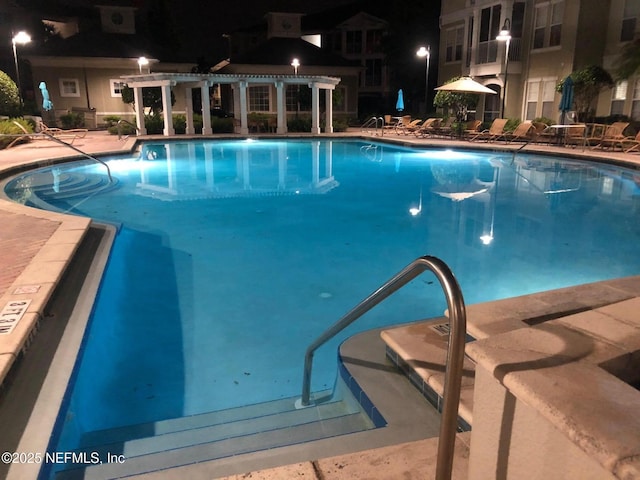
x: 21, y: 38
x: 425, y: 52
x: 295, y: 63
x: 505, y: 36
x: 142, y: 61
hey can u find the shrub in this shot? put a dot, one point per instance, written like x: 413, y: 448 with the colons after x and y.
x: 547, y: 121
x: 9, y: 97
x: 511, y: 124
x: 299, y: 124
x: 72, y: 120
x: 111, y: 120
x: 7, y: 127
x: 154, y: 124
x: 222, y: 125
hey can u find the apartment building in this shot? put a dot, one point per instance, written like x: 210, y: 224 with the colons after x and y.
x: 549, y: 40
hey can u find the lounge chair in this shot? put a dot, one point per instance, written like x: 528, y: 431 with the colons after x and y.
x: 445, y: 128
x: 575, y: 135
x: 471, y: 128
x: 523, y: 132
x: 613, y: 135
x: 428, y: 127
x: 407, y: 128
x: 495, y: 131
x: 59, y: 132
x: 630, y: 144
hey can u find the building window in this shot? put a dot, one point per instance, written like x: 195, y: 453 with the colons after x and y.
x: 635, y: 105
x: 69, y: 87
x: 373, y: 73
x: 548, y: 96
x: 619, y: 95
x: 540, y: 99
x: 116, y: 87
x: 354, y: 42
x: 333, y: 42
x: 547, y: 30
x: 630, y: 16
x: 489, y: 29
x: 533, y: 92
x: 453, y: 44
x: 291, y: 95
x: 259, y: 99
x: 374, y: 41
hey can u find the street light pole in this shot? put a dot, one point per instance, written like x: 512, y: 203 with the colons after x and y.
x: 21, y: 38
x: 425, y: 52
x: 505, y: 36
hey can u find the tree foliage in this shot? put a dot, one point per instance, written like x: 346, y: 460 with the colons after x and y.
x: 628, y: 63
x: 588, y: 82
x: 10, y: 104
x: 151, y: 98
x: 455, y: 100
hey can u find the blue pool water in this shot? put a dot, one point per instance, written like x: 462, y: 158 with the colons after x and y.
x: 232, y: 256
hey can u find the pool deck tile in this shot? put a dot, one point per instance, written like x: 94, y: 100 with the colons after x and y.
x: 36, y: 247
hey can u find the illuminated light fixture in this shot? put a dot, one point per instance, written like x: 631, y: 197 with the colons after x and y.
x: 505, y: 36
x: 425, y: 53
x: 142, y: 62
x: 21, y: 38
x: 295, y: 63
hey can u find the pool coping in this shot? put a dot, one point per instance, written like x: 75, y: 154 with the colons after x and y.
x: 47, y: 266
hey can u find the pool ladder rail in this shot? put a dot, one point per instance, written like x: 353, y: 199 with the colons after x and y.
x: 373, y: 126
x: 455, y: 349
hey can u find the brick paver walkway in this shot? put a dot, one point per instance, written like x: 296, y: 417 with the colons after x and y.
x: 21, y: 237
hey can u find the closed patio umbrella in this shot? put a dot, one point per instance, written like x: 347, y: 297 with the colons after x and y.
x: 47, y: 104
x: 400, y: 102
x: 566, y: 101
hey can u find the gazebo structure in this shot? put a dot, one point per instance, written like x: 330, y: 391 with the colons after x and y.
x: 239, y: 84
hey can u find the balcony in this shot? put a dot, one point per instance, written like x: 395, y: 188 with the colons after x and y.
x: 489, y: 57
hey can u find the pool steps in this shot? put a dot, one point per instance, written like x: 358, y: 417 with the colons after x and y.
x: 419, y: 350
x: 198, y: 438
x: 71, y: 186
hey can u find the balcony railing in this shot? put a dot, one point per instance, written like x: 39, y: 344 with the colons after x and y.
x: 488, y: 51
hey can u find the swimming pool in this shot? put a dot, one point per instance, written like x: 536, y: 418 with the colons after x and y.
x: 233, y: 256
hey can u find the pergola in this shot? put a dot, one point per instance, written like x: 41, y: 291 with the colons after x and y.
x: 239, y: 84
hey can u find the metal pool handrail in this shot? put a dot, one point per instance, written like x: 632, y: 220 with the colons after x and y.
x: 62, y: 142
x: 455, y: 349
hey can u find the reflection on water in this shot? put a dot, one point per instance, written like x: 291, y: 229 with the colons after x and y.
x: 233, y: 170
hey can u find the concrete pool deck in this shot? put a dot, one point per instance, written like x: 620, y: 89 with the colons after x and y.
x: 36, y: 248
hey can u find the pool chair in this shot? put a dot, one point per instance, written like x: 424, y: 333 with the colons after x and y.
x: 613, y: 135
x: 407, y: 128
x: 445, y: 129
x: 60, y: 133
x: 494, y: 132
x: 428, y: 127
x: 631, y: 144
x: 524, y: 132
x: 472, y: 128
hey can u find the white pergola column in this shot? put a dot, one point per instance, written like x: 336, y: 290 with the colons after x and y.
x: 244, y: 123
x: 281, y: 107
x: 328, y: 118
x: 206, y: 108
x: 188, y: 100
x: 137, y: 100
x: 166, y: 110
x: 315, y: 109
